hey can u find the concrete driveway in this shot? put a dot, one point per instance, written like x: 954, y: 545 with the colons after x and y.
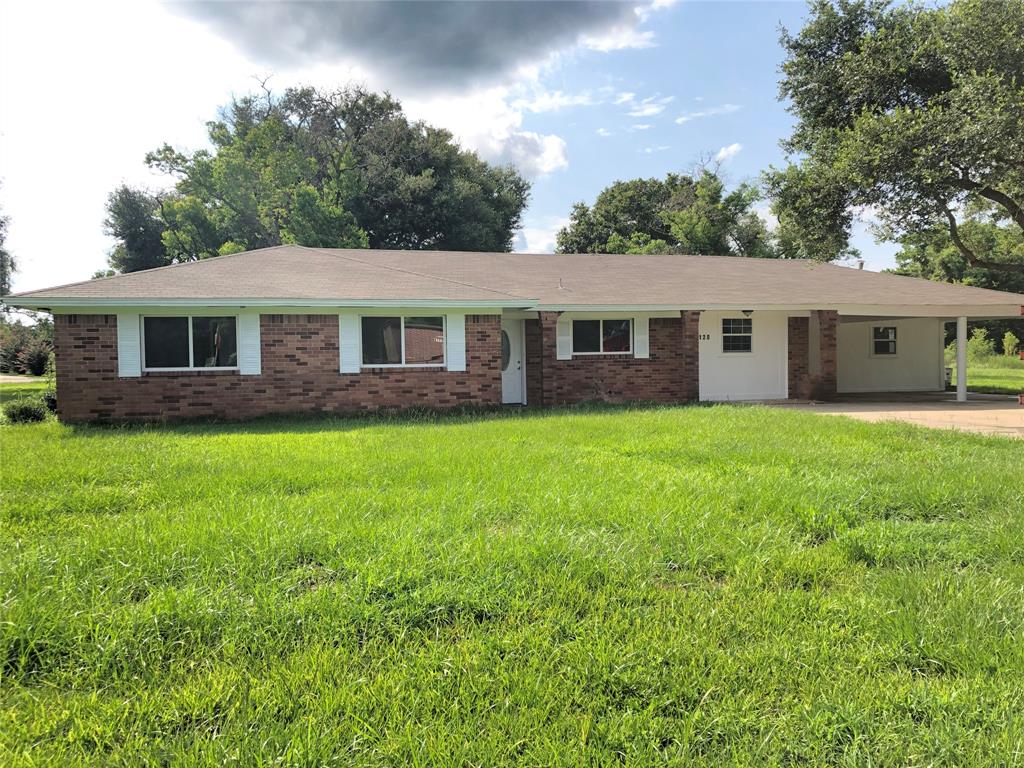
x: 988, y: 414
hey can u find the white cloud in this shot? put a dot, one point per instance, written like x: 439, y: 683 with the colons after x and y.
x: 728, y: 153
x: 619, y: 38
x: 649, y: 107
x: 724, y: 109
x: 551, y: 101
x: 604, y: 132
x: 625, y: 98
x: 652, y: 150
x: 763, y: 209
x: 539, y: 236
x: 639, y: 126
x: 486, y: 121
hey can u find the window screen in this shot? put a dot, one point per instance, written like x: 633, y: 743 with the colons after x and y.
x: 586, y: 335
x: 166, y: 342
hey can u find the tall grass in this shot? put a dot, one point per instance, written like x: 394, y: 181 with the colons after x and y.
x: 724, y: 585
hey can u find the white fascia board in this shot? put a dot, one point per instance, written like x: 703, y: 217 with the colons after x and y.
x: 273, y: 306
x: 908, y: 310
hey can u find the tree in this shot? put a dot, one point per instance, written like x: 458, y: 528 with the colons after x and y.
x: 338, y: 169
x: 8, y: 266
x: 679, y: 214
x: 932, y: 255
x: 133, y: 217
x: 915, y: 111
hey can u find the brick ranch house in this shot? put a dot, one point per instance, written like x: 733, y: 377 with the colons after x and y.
x: 294, y: 329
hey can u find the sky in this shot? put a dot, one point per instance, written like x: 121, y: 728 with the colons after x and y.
x: 577, y: 95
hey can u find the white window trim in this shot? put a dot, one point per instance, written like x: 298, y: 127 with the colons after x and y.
x: 602, y: 321
x: 191, y: 351
x: 403, y: 364
x: 871, y: 343
x: 723, y: 352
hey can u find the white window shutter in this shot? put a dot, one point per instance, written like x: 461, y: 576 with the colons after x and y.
x: 348, y: 335
x: 129, y: 345
x: 455, y: 340
x: 641, y: 337
x: 563, y: 338
x: 249, y: 351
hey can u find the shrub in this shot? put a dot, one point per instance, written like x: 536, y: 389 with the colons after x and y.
x: 1011, y: 344
x: 34, y: 357
x: 980, y: 346
x: 50, y: 400
x: 24, y: 411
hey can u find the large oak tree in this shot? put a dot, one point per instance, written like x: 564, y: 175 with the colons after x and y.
x: 343, y: 168
x: 916, y: 113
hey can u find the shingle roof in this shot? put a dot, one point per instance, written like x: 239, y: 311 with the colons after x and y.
x: 298, y: 274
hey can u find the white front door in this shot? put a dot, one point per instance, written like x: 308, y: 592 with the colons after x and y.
x: 513, y: 363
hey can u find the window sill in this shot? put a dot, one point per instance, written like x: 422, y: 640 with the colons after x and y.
x: 627, y: 353
x: 179, y: 371
x: 399, y: 367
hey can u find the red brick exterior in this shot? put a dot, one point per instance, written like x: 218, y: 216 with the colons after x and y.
x: 669, y: 375
x: 805, y: 384
x: 299, y: 374
x: 300, y: 360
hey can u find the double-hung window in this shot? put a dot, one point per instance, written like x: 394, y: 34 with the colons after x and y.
x: 737, y: 334
x: 883, y: 340
x: 601, y: 337
x: 409, y: 341
x: 186, y: 343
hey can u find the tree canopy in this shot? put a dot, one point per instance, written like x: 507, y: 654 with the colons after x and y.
x: 677, y: 214
x: 343, y: 168
x: 915, y: 112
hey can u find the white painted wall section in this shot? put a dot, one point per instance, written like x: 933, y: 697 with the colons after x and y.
x: 917, y: 365
x: 757, y: 375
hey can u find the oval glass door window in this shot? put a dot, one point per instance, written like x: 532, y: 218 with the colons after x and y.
x: 506, y: 351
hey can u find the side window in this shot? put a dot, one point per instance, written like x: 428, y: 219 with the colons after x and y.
x: 883, y: 340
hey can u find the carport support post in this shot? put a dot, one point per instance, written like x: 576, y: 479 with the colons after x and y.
x: 961, y: 359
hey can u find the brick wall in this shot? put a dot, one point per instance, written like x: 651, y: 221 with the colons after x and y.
x: 805, y: 384
x: 669, y: 375
x: 299, y: 374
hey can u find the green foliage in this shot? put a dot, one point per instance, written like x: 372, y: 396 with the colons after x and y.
x: 8, y: 264
x: 915, y: 111
x: 980, y: 346
x: 133, y: 218
x: 25, y: 348
x: 931, y: 254
x: 679, y: 214
x: 34, y: 357
x: 24, y: 410
x: 1011, y: 344
x: 674, y: 586
x: 339, y: 169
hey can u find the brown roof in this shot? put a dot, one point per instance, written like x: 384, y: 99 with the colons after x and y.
x: 297, y: 274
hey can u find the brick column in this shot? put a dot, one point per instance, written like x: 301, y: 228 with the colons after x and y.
x: 690, y: 384
x: 799, y: 358
x: 548, y: 355
x: 825, y: 384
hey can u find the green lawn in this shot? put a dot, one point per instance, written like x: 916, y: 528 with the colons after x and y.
x: 26, y: 385
x: 720, y: 585
x: 1007, y: 378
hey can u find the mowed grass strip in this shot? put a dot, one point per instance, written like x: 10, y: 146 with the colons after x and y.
x: 733, y: 585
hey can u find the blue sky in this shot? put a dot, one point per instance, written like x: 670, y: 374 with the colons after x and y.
x: 577, y: 95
